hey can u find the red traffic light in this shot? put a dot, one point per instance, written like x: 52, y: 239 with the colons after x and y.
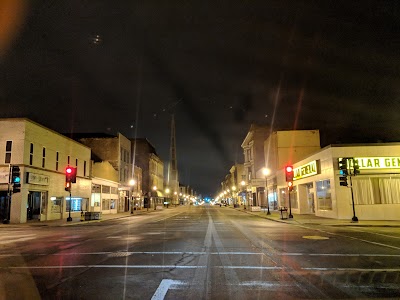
x: 70, y: 174
x: 289, y: 173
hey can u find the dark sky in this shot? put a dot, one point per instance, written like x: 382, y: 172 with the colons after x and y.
x: 217, y: 65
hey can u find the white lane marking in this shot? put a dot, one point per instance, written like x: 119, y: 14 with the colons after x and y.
x: 126, y: 253
x: 203, y: 267
x: 108, y: 266
x: 163, y: 288
x: 250, y: 267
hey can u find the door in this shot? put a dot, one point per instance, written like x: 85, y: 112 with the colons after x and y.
x: 33, y: 209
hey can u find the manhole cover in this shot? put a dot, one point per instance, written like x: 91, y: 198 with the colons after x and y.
x: 315, y: 237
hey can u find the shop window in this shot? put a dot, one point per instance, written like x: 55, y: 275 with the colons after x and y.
x: 105, y: 189
x: 375, y: 190
x: 8, y: 152
x: 44, y: 201
x: 95, y: 200
x: 283, y: 199
x: 105, y: 204
x: 113, y: 203
x: 76, y: 204
x: 324, y: 195
x: 96, y: 188
x: 55, y: 204
x: 293, y: 198
x: 114, y: 190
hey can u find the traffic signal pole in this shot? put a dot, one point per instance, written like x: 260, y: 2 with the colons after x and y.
x: 354, y: 219
x: 69, y: 219
x: 7, y: 206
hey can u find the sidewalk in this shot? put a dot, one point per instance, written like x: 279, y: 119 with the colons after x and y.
x: 314, y: 220
x: 77, y: 220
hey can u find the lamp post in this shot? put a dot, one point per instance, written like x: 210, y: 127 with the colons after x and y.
x: 132, y: 182
x: 267, y: 172
x: 234, y: 196
x: 155, y: 190
x: 243, y: 184
x: 167, y: 191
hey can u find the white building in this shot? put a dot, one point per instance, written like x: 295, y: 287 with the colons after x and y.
x: 42, y: 156
x: 317, y: 189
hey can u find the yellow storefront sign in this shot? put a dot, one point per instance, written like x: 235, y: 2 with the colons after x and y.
x: 378, y: 162
x: 306, y: 170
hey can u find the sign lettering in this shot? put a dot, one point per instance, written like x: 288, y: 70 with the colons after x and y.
x: 306, y: 170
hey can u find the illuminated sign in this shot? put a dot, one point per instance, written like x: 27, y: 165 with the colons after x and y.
x: 306, y: 170
x: 378, y: 162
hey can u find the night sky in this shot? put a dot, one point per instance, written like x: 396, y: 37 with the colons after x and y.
x: 126, y: 66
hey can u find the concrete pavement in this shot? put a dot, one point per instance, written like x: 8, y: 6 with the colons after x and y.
x: 274, y: 216
x: 77, y: 220
x: 315, y: 220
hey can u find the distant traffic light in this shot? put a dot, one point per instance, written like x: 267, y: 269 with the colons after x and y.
x: 343, y: 171
x: 70, y: 174
x: 16, y: 179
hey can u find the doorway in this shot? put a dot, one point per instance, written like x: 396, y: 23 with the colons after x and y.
x: 33, y: 207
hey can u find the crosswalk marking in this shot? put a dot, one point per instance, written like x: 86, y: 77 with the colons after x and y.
x: 13, y: 237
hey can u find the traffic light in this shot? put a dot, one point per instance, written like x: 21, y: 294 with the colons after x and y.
x: 70, y: 174
x: 68, y: 186
x: 289, y: 173
x: 290, y: 185
x: 289, y: 177
x: 16, y: 179
x: 356, y: 167
x: 343, y: 171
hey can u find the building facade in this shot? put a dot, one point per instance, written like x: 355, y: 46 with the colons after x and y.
x: 42, y: 156
x: 152, y: 168
x: 282, y: 148
x: 116, y: 150
x: 254, y: 162
x: 317, y: 190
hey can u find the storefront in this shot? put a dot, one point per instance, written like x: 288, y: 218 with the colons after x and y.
x: 317, y: 190
x: 104, y: 197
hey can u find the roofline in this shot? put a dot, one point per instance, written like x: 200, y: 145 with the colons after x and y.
x: 44, y: 127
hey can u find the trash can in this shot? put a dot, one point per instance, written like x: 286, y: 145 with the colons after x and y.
x: 284, y: 214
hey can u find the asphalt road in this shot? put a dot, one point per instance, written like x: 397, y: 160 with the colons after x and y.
x: 198, y: 253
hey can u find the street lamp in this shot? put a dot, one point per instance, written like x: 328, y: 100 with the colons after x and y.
x: 267, y: 172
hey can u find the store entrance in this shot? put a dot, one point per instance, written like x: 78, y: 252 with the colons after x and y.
x: 33, y: 208
x: 3, y: 205
x: 310, y: 198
